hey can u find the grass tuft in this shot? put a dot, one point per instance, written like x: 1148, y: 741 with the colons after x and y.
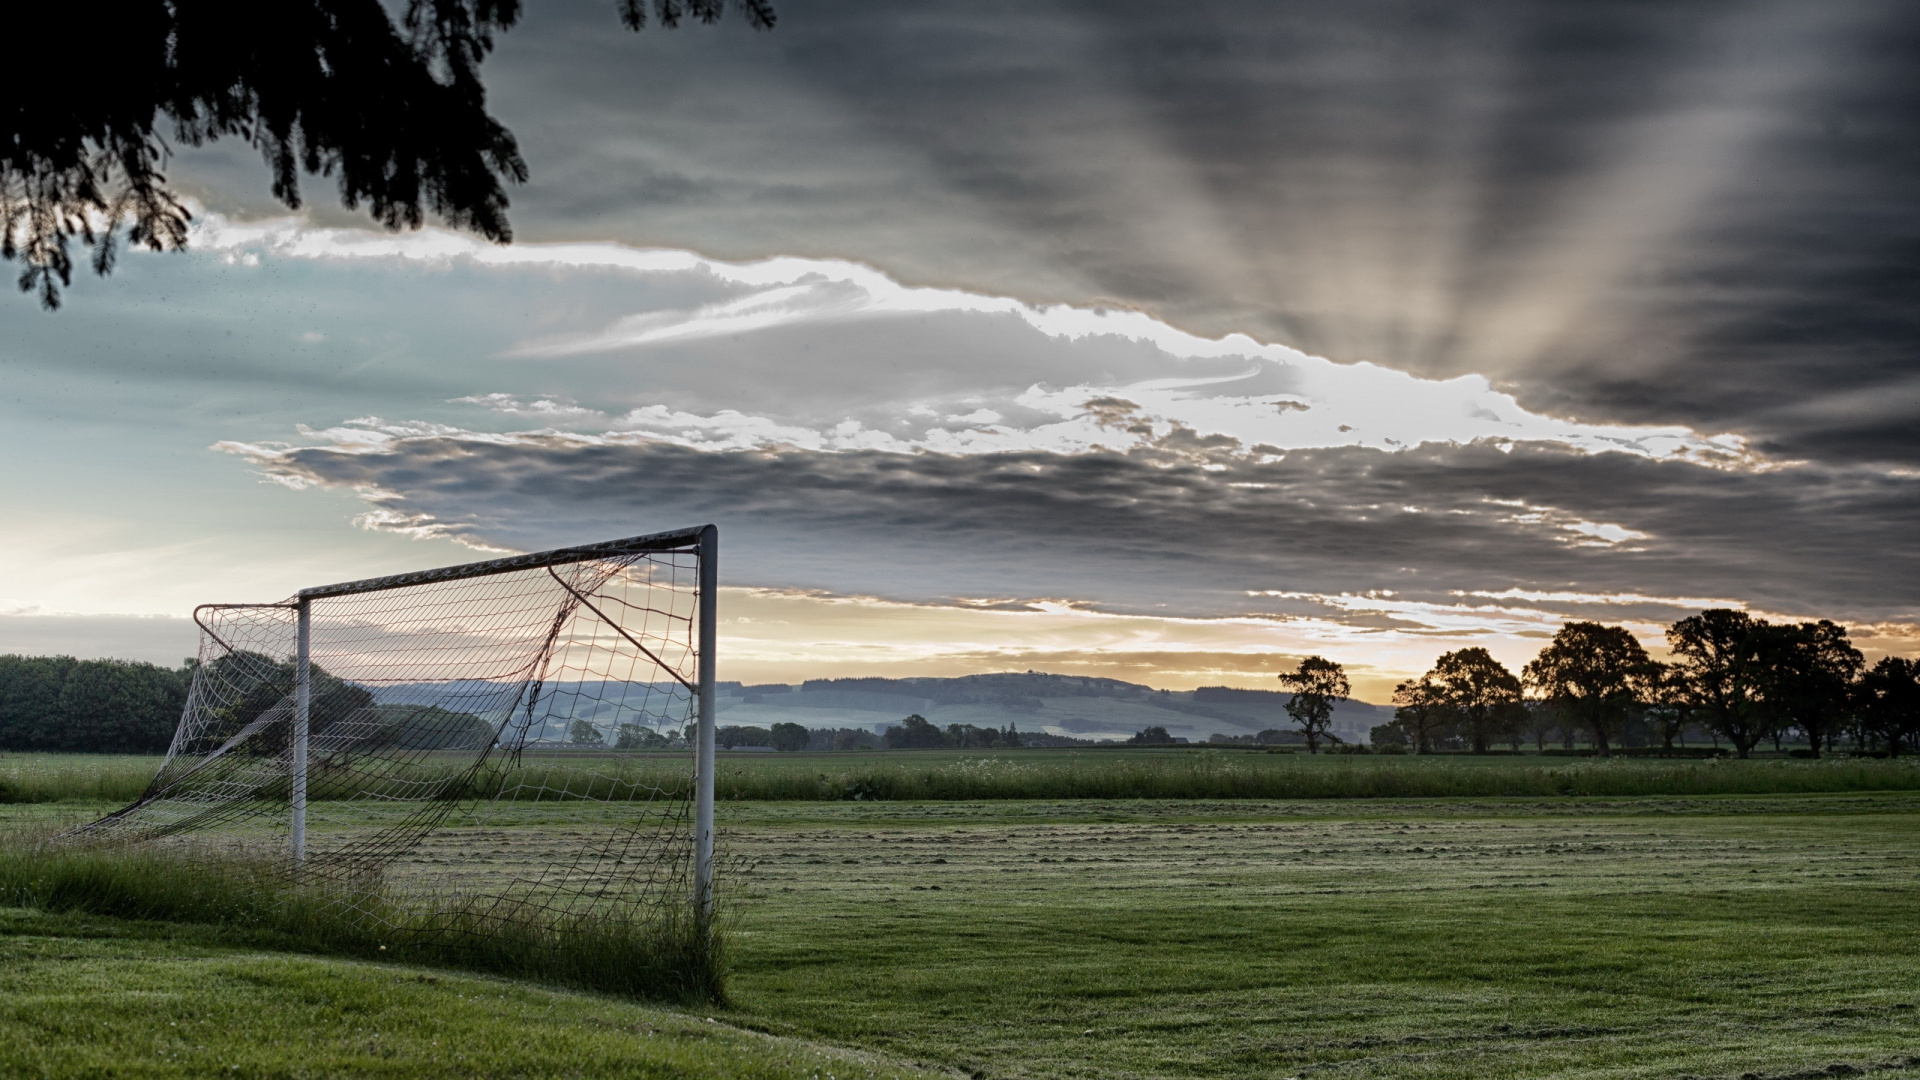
x: 667, y: 957
x: 40, y: 778
x: 1228, y: 775
x: 919, y: 776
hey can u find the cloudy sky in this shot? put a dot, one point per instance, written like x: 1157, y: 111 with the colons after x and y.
x: 1166, y: 342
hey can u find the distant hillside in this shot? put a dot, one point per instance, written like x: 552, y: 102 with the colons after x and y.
x: 1032, y: 701
x: 1075, y: 705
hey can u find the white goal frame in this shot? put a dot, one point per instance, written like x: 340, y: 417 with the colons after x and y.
x: 704, y: 539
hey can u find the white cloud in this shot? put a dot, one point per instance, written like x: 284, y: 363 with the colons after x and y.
x: 1259, y: 393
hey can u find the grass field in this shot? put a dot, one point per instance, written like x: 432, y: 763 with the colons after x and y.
x: 1629, y: 938
x: 919, y: 775
x: 1772, y: 936
x: 86, y: 997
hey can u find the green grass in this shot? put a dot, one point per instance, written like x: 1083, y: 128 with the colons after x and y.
x: 1772, y: 935
x: 664, y: 955
x: 1631, y: 938
x: 1216, y: 774
x: 38, y: 778
x: 96, y: 998
x: 1081, y: 774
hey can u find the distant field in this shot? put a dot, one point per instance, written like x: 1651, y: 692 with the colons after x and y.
x: 1184, y: 773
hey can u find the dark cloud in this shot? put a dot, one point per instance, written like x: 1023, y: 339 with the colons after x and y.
x: 1189, y: 525
x: 1705, y: 213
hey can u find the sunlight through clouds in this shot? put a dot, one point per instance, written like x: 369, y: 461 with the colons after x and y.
x: 1268, y: 396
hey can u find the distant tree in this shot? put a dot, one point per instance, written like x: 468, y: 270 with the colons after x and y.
x: 1011, y: 736
x: 632, y: 736
x: 1318, y: 684
x: 394, y: 112
x: 257, y: 690
x: 1482, y: 696
x: 789, y: 737
x: 967, y: 736
x: 425, y: 727
x: 1542, y: 721
x: 742, y: 735
x: 1670, y: 709
x: 852, y: 739
x: 1388, y: 737
x: 1593, y: 674
x: 1888, y: 702
x: 107, y: 706
x: 915, y: 733
x: 583, y: 733
x: 1421, y: 710
x: 1151, y: 736
x: 1714, y: 673
x: 1804, y: 675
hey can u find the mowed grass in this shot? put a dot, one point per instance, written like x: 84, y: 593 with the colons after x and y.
x: 1622, y: 939
x: 1186, y: 773
x: 88, y: 997
x: 1772, y: 936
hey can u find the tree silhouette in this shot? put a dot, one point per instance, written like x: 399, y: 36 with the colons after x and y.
x: 1888, y: 699
x: 1318, y: 685
x: 1594, y: 674
x: 915, y: 733
x: 393, y: 111
x: 1420, y: 709
x: 789, y: 737
x: 1714, y: 672
x: 1805, y: 674
x: 1669, y: 705
x: 1481, y: 695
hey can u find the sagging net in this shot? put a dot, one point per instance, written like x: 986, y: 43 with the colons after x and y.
x: 509, y: 747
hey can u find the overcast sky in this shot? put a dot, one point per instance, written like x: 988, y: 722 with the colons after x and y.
x: 1168, y: 342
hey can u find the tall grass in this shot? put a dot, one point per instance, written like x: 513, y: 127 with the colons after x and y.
x: 669, y: 956
x: 1216, y: 775
x: 36, y: 778
x: 1046, y: 774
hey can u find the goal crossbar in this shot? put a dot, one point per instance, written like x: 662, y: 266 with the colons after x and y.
x: 677, y: 540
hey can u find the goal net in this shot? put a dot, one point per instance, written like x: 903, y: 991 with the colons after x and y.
x: 478, y: 749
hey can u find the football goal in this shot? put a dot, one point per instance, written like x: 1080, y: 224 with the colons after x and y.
x: 525, y: 741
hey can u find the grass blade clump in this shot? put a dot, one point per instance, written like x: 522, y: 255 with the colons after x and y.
x: 42, y: 778
x: 1218, y: 775
x: 666, y: 957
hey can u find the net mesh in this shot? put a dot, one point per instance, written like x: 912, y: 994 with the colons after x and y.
x: 513, y: 741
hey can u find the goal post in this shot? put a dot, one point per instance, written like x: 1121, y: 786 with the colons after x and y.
x: 523, y: 737
x: 704, y: 764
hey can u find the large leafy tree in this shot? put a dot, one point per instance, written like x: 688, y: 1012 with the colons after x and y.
x: 1420, y: 709
x: 1481, y: 694
x: 1593, y: 674
x: 1670, y: 708
x: 1888, y: 700
x: 1805, y: 674
x: 390, y: 108
x: 1714, y: 672
x: 1318, y: 684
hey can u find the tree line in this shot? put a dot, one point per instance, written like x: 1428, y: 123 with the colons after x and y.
x: 1739, y: 678
x: 58, y: 703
